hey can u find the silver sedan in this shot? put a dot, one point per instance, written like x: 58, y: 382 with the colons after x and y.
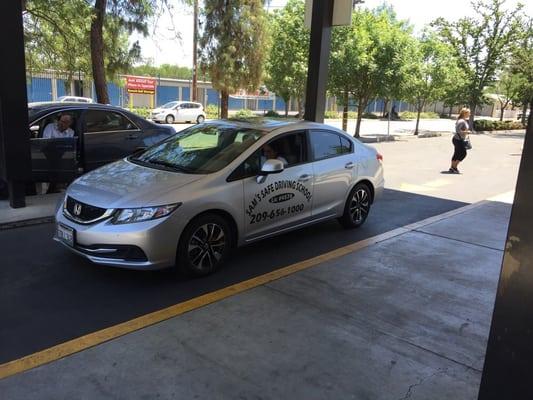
x: 191, y: 198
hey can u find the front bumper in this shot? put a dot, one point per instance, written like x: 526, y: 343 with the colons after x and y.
x: 157, y: 118
x: 148, y: 245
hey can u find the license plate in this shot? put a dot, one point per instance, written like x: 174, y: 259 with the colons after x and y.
x: 65, y: 234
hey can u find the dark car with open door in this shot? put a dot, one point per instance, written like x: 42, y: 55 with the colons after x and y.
x: 102, y: 134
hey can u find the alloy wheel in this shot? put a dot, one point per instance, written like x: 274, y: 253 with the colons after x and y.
x: 206, y: 246
x: 359, y: 205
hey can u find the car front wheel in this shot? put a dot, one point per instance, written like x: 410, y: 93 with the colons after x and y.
x: 169, y: 119
x: 200, y: 119
x: 204, y: 245
x: 357, y: 207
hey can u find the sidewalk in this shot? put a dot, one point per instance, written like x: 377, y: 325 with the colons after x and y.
x: 403, y: 315
x: 38, y: 207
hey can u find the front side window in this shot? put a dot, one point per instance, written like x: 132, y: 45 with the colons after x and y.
x: 200, y: 149
x: 327, y: 144
x: 107, y: 121
x: 57, y: 125
x: 290, y: 149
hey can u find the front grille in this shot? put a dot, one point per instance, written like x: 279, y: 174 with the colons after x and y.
x: 116, y: 251
x: 83, y: 212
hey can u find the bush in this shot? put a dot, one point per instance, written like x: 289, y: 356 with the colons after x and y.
x: 211, y: 111
x: 423, y: 115
x: 332, y: 115
x: 272, y: 113
x: 142, y: 112
x: 493, y: 125
x: 244, y: 114
x: 369, y: 116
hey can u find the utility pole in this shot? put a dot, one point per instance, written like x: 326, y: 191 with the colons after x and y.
x: 195, y: 54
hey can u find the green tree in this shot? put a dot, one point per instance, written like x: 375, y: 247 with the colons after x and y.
x: 286, y: 68
x: 57, y: 37
x: 506, y: 89
x: 521, y: 66
x: 481, y: 45
x: 365, y: 58
x: 233, y: 45
x: 162, y: 71
x: 433, y: 69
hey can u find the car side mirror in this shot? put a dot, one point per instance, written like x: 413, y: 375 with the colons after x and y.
x: 270, y: 167
x: 34, y: 128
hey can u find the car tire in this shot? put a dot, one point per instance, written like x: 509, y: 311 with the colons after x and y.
x: 357, y: 207
x: 204, y: 245
x: 169, y: 119
x: 200, y: 119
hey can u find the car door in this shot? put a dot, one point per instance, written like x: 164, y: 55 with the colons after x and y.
x: 283, y: 200
x: 108, y: 136
x: 182, y: 112
x: 334, y: 171
x: 54, y: 159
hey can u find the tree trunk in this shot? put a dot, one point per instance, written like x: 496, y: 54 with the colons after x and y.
x: 97, y: 51
x: 345, y: 112
x: 450, y: 113
x: 472, y: 113
x: 502, y: 111
x: 224, y: 101
x: 524, y: 111
x: 286, y: 108
x: 361, y: 106
x: 385, y: 104
x: 417, y: 119
x: 299, y: 108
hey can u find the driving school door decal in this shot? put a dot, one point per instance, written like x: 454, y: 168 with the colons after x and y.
x: 283, y: 199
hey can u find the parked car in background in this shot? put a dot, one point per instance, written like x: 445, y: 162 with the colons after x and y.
x: 75, y: 99
x: 179, y: 111
x: 102, y: 134
x: 190, y: 199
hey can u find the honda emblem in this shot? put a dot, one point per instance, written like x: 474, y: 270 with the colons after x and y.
x: 77, y: 209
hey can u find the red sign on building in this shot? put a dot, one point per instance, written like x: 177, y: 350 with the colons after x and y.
x: 139, y: 84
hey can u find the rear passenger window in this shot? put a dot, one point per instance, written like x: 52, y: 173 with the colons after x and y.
x: 328, y: 144
x: 346, y: 145
x: 107, y: 121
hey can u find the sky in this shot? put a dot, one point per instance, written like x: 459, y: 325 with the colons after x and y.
x: 170, y: 40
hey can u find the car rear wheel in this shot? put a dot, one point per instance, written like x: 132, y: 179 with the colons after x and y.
x: 169, y: 119
x: 204, y: 245
x: 200, y: 119
x: 357, y: 207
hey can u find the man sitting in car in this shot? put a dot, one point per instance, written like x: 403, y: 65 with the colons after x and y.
x: 60, y: 129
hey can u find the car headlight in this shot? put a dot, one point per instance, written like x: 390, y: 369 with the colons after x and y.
x: 130, y: 215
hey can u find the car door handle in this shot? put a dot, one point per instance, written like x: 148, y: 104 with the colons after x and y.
x: 132, y: 136
x: 304, y: 177
x: 350, y: 165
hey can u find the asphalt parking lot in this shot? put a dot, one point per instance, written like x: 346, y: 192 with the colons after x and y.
x: 49, y: 296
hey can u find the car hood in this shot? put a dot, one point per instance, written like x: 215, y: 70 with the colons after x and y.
x: 160, y: 110
x: 124, y: 184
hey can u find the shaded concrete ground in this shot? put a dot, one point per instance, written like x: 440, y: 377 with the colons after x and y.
x: 404, y: 318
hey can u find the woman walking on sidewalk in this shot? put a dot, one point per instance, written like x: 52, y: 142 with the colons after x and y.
x: 462, y: 129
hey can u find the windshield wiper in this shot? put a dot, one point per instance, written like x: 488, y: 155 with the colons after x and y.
x: 169, y: 165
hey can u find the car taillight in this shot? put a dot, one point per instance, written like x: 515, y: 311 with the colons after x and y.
x: 379, y: 157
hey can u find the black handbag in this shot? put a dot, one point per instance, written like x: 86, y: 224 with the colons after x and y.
x: 467, y: 143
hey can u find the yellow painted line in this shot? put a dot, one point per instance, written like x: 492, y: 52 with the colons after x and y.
x: 93, y: 339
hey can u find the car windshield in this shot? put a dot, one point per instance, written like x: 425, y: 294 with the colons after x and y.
x: 199, y: 149
x: 172, y: 104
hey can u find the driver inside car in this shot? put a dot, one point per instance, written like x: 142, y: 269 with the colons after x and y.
x: 270, y: 153
x: 60, y: 129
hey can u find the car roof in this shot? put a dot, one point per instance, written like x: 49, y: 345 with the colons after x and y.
x: 268, y: 125
x: 53, y: 105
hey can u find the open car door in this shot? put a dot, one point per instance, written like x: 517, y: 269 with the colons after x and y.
x: 54, y: 159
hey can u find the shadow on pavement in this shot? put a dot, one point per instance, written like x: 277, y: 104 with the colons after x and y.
x: 49, y: 296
